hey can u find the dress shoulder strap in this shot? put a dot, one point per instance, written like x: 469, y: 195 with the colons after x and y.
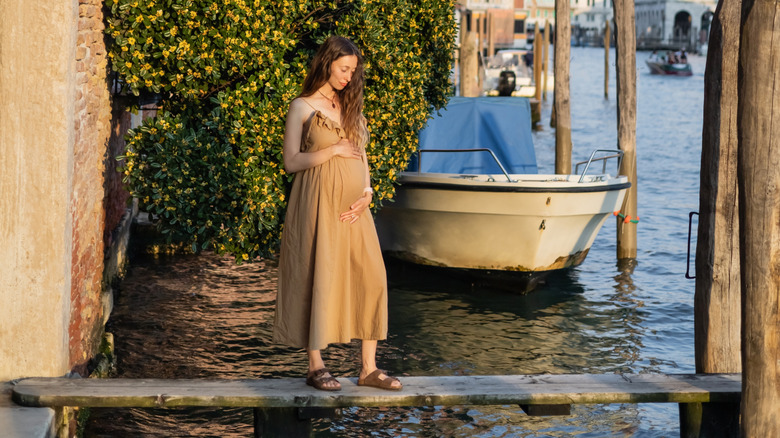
x: 307, y: 103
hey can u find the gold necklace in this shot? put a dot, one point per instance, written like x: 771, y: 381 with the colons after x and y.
x: 332, y: 103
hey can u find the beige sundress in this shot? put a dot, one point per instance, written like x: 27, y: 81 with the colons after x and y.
x: 332, y: 282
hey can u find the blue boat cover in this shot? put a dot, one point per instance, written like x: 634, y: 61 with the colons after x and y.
x: 502, y: 124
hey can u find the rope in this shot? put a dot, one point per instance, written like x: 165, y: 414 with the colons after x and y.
x: 626, y: 219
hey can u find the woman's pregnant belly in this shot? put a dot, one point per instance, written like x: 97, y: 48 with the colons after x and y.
x: 351, y: 181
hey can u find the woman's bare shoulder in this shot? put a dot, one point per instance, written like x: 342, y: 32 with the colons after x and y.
x: 300, y: 108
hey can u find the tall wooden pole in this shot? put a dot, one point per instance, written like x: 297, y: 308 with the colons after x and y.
x: 468, y: 69
x: 625, y: 69
x: 538, y: 62
x: 545, y: 57
x: 759, y: 214
x: 490, y: 34
x: 481, y: 33
x: 561, y: 102
x: 606, y: 59
x: 717, y: 316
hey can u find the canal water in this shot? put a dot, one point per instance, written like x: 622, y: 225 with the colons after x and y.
x: 203, y: 316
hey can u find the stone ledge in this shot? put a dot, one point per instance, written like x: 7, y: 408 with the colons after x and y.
x: 20, y: 422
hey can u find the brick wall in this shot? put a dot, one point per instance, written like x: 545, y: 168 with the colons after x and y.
x: 116, y: 198
x: 92, y: 129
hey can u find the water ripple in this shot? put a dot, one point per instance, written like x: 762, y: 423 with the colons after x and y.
x: 204, y: 316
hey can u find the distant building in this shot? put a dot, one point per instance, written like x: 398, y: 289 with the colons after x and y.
x: 673, y: 24
x: 503, y: 24
x: 589, y: 21
x: 494, y: 21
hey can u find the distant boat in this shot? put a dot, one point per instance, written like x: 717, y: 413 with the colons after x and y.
x: 508, y: 68
x: 480, y: 205
x: 664, y: 68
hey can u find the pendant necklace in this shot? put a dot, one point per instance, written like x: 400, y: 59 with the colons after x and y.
x: 332, y: 103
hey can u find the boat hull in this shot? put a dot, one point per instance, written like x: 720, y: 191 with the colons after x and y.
x: 539, y: 223
x: 660, y: 68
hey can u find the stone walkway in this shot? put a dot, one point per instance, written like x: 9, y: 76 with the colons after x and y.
x: 20, y: 422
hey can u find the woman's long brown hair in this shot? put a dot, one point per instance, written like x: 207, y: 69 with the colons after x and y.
x: 351, y: 96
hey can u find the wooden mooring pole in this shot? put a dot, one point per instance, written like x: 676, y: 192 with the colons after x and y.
x: 561, y: 99
x: 469, y: 64
x: 538, y: 63
x: 717, y: 316
x: 545, y: 58
x: 606, y: 59
x: 625, y: 42
x: 759, y: 214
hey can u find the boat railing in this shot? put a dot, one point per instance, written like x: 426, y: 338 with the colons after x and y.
x: 617, y: 154
x: 420, y: 155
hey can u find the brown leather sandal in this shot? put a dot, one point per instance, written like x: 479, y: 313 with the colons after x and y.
x: 319, y: 379
x: 374, y: 381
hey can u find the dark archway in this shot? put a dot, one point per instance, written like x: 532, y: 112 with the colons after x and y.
x: 706, y: 21
x: 682, y: 25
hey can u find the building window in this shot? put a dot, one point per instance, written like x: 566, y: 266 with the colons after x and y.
x: 519, y: 26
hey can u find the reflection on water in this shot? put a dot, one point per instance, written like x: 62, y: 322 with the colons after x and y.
x: 186, y: 317
x: 203, y: 316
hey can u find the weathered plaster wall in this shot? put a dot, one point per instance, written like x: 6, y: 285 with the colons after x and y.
x: 61, y: 199
x: 92, y: 130
x: 37, y: 100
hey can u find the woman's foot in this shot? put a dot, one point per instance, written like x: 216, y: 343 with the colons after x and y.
x: 322, y: 380
x: 378, y: 379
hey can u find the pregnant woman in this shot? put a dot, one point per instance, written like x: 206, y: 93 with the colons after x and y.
x: 332, y: 283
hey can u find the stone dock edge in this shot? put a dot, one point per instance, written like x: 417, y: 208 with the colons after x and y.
x: 20, y: 422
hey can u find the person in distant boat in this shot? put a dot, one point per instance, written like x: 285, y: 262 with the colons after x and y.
x: 671, y: 58
x: 332, y: 282
x: 654, y: 56
x: 528, y: 59
x: 683, y: 58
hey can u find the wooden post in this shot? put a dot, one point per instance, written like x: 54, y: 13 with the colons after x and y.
x: 281, y: 423
x: 758, y: 119
x: 480, y: 33
x: 545, y: 57
x: 289, y: 422
x: 561, y: 102
x: 717, y: 316
x: 538, y: 62
x: 625, y: 69
x: 468, y: 64
x: 490, y: 35
x: 606, y: 60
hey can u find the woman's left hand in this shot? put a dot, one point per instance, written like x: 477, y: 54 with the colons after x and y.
x: 356, y: 209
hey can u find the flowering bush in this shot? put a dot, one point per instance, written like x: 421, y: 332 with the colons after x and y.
x: 209, y: 166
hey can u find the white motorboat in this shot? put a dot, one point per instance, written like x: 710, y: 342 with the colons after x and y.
x: 526, y: 223
x: 510, y: 220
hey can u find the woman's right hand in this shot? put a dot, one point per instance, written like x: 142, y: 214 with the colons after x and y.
x: 344, y: 149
